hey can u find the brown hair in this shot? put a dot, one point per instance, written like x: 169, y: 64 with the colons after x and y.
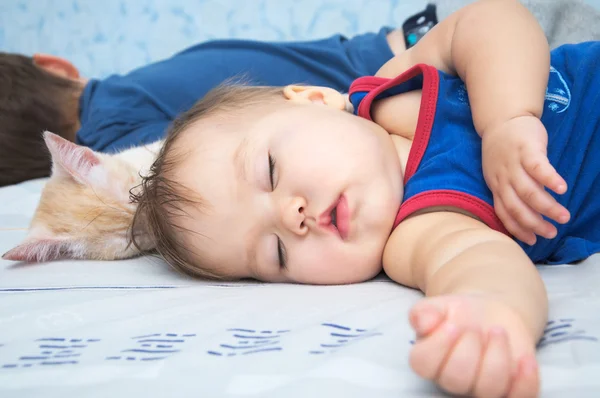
x: 31, y: 100
x: 161, y: 199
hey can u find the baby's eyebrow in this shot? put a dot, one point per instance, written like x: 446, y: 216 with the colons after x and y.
x: 239, y: 160
x: 240, y: 157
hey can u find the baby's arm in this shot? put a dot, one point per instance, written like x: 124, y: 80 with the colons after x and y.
x: 486, y: 304
x: 500, y: 51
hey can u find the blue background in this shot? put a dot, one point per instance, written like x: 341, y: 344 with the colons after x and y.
x: 106, y: 36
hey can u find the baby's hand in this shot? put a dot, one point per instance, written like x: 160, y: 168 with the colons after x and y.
x: 475, y: 346
x: 516, y: 169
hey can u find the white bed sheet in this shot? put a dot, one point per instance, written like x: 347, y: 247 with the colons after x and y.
x: 136, y: 329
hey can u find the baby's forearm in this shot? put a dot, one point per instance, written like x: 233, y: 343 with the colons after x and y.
x: 500, y: 270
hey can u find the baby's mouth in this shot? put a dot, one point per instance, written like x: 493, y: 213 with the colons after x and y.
x: 337, y: 218
x: 329, y: 218
x: 334, y: 217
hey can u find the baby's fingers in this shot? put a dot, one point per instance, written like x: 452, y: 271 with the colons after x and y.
x: 526, y: 383
x: 539, y: 168
x: 537, y: 198
x: 495, y: 370
x: 429, y: 354
x: 511, y: 224
x: 425, y: 317
x: 460, y: 371
x: 528, y: 219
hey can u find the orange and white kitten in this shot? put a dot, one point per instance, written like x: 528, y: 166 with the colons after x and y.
x: 85, y: 210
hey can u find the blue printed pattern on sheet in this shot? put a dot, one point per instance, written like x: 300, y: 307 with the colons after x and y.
x: 563, y: 330
x: 152, y: 347
x: 339, y: 336
x: 243, y: 341
x: 61, y: 351
x: 53, y: 351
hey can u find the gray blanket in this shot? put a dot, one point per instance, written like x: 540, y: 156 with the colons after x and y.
x: 564, y: 21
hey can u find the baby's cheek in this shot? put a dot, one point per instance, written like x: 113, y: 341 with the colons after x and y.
x: 314, y: 262
x: 332, y: 264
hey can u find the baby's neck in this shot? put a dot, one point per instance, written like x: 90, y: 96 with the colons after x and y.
x: 402, y: 146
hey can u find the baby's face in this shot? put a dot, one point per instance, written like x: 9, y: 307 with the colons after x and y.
x: 305, y: 194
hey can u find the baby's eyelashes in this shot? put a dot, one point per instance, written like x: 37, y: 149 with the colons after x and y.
x: 281, y: 254
x: 272, y: 165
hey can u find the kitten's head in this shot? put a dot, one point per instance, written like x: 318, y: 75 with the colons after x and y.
x: 85, y: 210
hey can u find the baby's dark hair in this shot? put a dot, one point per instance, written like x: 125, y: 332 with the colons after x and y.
x: 161, y: 201
x: 31, y: 100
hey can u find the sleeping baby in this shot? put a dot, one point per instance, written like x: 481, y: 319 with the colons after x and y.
x: 449, y: 178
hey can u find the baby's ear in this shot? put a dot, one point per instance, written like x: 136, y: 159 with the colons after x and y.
x: 316, y: 95
x: 74, y: 161
x: 37, y: 250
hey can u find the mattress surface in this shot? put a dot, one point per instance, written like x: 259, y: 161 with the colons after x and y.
x: 135, y: 328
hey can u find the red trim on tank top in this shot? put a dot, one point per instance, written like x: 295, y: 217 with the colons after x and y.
x: 377, y: 85
x: 445, y: 197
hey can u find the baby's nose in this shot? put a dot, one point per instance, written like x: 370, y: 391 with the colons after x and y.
x: 293, y: 216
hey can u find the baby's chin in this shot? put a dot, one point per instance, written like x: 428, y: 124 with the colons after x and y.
x: 364, y: 269
x: 340, y: 271
x: 363, y: 276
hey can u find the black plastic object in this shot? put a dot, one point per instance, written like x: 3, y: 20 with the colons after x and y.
x: 419, y: 24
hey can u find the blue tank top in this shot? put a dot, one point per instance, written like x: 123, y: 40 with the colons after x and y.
x: 444, y: 165
x: 122, y: 111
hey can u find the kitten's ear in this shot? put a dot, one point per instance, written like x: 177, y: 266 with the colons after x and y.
x: 74, y: 161
x: 36, y: 250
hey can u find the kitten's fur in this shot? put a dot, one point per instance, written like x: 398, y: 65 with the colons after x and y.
x: 85, y: 210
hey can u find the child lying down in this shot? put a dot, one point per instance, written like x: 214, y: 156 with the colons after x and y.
x: 428, y: 183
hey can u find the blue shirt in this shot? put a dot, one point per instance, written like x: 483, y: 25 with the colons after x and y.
x: 444, y: 166
x: 123, y: 111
